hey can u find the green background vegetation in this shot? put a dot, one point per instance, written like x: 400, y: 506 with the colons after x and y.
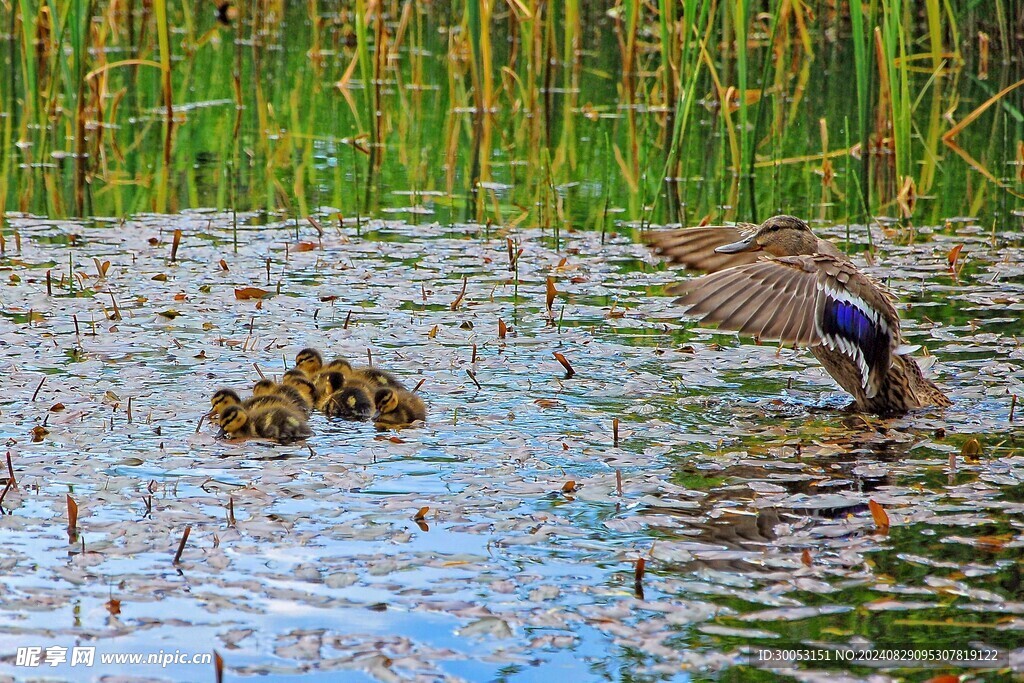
x: 517, y: 112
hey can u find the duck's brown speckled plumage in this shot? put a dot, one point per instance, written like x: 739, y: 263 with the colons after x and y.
x: 802, y: 291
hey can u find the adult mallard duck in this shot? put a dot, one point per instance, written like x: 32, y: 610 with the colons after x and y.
x: 803, y: 291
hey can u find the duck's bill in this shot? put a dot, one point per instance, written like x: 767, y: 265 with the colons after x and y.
x: 746, y: 244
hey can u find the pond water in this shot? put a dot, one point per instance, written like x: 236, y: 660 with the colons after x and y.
x: 735, y: 476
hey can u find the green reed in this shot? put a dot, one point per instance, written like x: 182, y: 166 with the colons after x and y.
x: 508, y: 112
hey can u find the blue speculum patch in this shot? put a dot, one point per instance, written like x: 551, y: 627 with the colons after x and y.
x: 846, y: 320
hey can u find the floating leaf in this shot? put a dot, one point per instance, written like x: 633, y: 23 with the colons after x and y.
x: 250, y: 293
x: 159, y: 277
x: 880, y: 516
x: 953, y: 255
x: 170, y: 313
x: 39, y: 432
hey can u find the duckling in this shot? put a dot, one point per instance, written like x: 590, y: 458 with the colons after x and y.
x: 327, y: 383
x: 372, y: 377
x: 379, y: 378
x: 338, y: 364
x: 298, y: 381
x: 351, y: 402
x: 397, y: 408
x: 309, y: 361
x: 224, y: 397
x: 266, y: 387
x: 278, y: 422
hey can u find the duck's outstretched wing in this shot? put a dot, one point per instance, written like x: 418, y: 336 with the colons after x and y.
x: 695, y: 247
x: 803, y: 300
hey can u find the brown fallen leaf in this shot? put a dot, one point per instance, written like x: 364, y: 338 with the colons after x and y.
x: 305, y: 246
x: 250, y: 293
x: 880, y: 516
x: 160, y: 277
x: 953, y: 256
x: 170, y: 313
x: 551, y: 293
x: 39, y: 432
x: 421, y: 514
x: 569, y: 486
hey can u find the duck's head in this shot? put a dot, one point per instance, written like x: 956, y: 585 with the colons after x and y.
x: 222, y: 399
x: 778, y: 236
x: 329, y: 382
x: 309, y: 361
x: 294, y: 376
x: 233, y: 420
x: 385, y: 400
x: 339, y: 365
x: 264, y: 387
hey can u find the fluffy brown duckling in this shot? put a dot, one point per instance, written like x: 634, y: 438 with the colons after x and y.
x: 311, y: 362
x: 351, y: 402
x: 298, y: 381
x: 397, y: 408
x: 224, y: 397
x: 279, y: 422
x: 289, y: 393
